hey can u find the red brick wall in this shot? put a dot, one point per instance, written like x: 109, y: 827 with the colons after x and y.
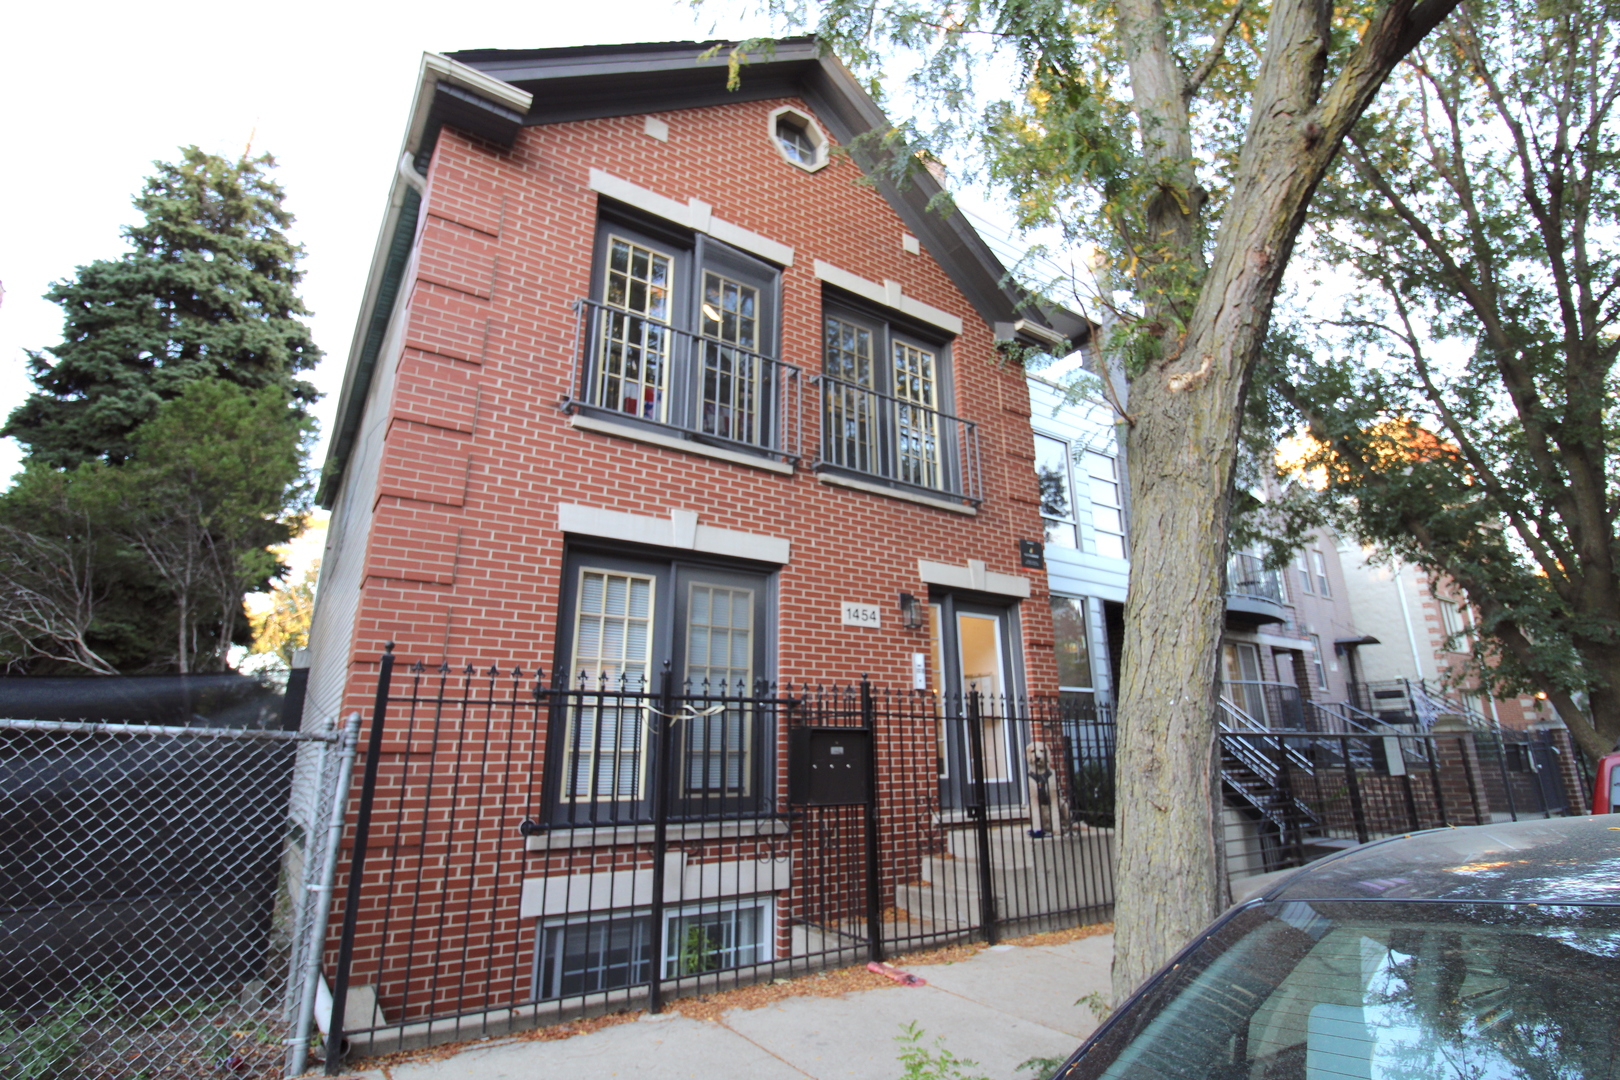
x: 464, y: 553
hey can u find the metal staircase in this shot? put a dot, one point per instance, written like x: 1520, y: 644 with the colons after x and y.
x: 1250, y: 771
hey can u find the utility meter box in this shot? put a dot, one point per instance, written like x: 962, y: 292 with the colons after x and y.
x: 828, y: 766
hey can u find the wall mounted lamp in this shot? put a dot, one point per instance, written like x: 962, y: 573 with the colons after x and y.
x: 911, y: 612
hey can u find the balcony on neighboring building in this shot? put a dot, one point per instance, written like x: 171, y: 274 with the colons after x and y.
x: 1254, y: 595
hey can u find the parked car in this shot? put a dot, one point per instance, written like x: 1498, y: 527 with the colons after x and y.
x: 1606, y: 788
x: 1486, y: 952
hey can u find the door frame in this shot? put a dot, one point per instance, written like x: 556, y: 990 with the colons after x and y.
x: 670, y: 570
x: 955, y: 773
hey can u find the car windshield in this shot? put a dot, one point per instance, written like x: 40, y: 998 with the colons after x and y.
x: 1382, y: 991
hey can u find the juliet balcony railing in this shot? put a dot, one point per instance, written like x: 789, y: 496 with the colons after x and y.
x: 640, y: 370
x: 897, y: 442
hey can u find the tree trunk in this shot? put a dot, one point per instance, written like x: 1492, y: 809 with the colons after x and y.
x: 1181, y: 450
x: 1186, y: 411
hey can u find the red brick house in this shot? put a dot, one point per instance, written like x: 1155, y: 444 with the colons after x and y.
x: 652, y: 372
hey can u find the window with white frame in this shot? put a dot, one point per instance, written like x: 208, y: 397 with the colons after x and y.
x: 586, y: 955
x: 708, y: 621
x: 1055, y: 477
x: 681, y: 332
x: 884, y: 396
x: 1318, y: 661
x: 1454, y: 620
x: 1304, y: 568
x: 1107, y: 503
x: 1319, y: 560
x: 799, y: 138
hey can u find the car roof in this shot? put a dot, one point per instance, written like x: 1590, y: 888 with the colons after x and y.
x: 1561, y: 860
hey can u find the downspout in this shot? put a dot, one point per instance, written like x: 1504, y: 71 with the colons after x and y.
x: 1406, y: 617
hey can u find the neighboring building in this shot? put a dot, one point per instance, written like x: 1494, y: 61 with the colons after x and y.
x: 1425, y: 630
x: 1291, y: 643
x: 1083, y: 504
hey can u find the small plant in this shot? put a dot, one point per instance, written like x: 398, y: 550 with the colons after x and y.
x: 1097, y: 1004
x: 47, y: 1047
x: 1042, y: 1066
x: 698, y: 952
x: 931, y: 1062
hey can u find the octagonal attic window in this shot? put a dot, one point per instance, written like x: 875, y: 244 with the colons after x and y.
x: 799, y: 139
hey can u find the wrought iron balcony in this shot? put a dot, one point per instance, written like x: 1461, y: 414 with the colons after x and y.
x: 897, y: 442
x: 1253, y: 593
x: 645, y: 372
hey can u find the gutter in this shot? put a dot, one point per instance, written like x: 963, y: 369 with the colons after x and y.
x: 442, y: 85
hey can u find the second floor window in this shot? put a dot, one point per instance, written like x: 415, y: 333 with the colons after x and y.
x: 1320, y: 562
x: 883, y: 396
x: 1052, y: 473
x: 1107, y: 503
x: 1454, y: 621
x: 680, y: 334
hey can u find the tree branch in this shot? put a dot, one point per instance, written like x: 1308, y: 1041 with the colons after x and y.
x: 1217, y: 50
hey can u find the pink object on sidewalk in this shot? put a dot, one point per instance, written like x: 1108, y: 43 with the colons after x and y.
x: 889, y: 971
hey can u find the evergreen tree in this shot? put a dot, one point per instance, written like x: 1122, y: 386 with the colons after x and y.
x: 208, y: 291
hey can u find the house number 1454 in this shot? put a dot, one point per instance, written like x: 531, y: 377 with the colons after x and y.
x: 860, y: 615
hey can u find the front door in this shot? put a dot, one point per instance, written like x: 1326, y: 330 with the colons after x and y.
x: 972, y: 650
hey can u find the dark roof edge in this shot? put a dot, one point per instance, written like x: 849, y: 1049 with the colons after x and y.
x: 590, y: 81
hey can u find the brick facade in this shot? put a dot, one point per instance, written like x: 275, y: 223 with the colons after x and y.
x: 464, y: 552
x: 458, y: 546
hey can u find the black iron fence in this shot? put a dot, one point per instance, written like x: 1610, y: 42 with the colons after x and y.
x: 533, y: 851
x: 529, y: 851
x: 1291, y: 796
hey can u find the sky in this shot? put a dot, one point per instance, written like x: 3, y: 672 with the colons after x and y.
x: 98, y: 91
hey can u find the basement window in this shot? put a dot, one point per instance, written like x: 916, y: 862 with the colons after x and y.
x: 602, y: 953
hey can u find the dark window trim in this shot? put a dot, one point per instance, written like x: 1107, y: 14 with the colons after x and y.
x: 887, y: 326
x: 665, y: 565
x: 692, y: 253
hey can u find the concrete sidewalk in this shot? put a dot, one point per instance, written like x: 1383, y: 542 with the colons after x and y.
x: 1000, y: 1007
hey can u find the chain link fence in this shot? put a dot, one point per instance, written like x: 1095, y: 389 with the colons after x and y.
x: 154, y: 914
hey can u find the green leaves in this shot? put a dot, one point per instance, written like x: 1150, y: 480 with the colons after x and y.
x: 207, y: 291
x: 1462, y: 401
x: 167, y: 437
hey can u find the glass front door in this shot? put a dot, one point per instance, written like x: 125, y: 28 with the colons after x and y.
x: 971, y: 651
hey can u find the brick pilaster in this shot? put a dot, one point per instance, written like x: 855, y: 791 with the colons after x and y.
x: 1461, y: 781
x: 1553, y: 730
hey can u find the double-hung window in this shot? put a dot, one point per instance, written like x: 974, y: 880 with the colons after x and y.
x: 681, y: 333
x: 1055, y: 477
x: 1107, y: 503
x: 885, y: 403
x: 1320, y: 561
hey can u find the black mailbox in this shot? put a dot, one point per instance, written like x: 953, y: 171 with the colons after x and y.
x: 828, y: 766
